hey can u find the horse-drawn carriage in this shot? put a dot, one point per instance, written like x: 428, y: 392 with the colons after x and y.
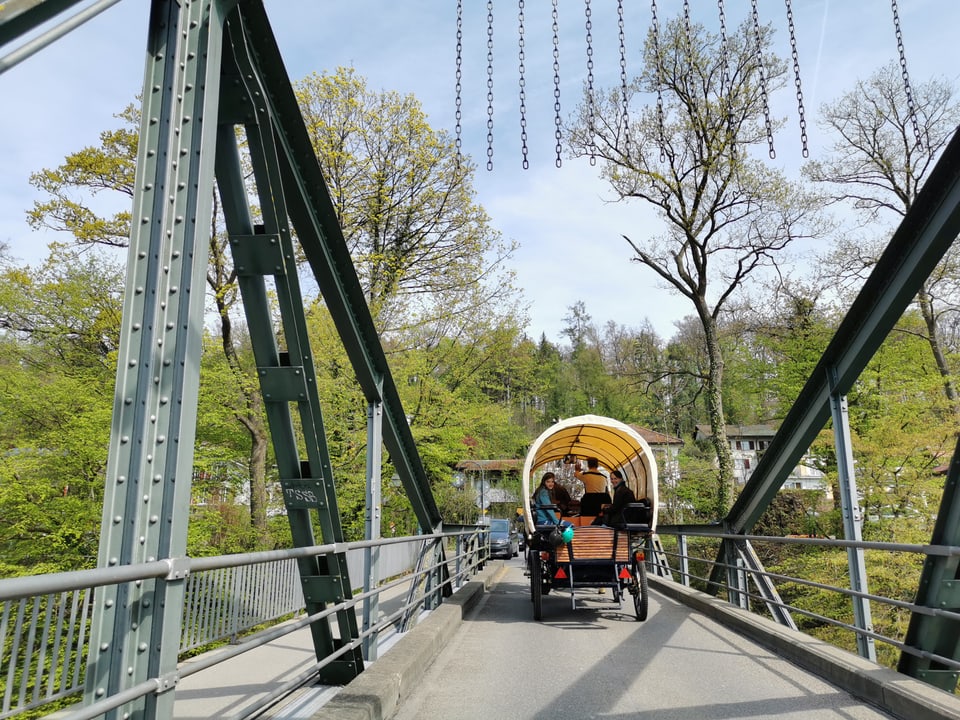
x: 570, y: 552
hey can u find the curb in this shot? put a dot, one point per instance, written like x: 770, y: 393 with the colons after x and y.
x: 882, y: 687
x: 376, y: 692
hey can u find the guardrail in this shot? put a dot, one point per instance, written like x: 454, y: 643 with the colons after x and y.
x: 694, y: 556
x: 45, y: 621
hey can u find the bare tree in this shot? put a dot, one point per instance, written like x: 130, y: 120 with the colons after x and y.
x: 728, y: 216
x: 878, y: 164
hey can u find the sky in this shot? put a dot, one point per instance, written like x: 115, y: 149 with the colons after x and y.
x: 568, y: 227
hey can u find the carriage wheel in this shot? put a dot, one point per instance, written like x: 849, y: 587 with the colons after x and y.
x: 536, y: 585
x: 641, y: 597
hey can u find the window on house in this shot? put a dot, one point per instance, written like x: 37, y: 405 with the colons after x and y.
x: 746, y: 463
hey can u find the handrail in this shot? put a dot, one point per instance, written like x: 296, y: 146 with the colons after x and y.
x: 682, y: 557
x: 45, y: 620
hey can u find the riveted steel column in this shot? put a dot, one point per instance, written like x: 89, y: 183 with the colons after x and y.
x: 287, y: 377
x: 850, y: 507
x: 136, y: 626
x: 371, y: 556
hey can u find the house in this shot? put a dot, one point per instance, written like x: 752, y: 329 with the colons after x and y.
x: 747, y: 444
x: 483, y: 476
x: 666, y: 451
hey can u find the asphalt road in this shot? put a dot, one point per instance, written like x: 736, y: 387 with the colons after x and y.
x: 597, y: 661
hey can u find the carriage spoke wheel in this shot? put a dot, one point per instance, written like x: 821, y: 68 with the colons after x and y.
x: 641, y: 598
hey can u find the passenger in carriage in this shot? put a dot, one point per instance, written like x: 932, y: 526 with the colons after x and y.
x: 543, y: 497
x: 594, y: 487
x: 622, y: 496
x: 563, y: 500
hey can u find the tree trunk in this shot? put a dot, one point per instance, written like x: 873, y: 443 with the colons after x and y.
x: 718, y: 426
x: 933, y: 337
x: 259, y: 442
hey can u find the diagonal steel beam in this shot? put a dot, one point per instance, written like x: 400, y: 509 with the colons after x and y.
x: 939, y: 588
x: 319, y: 234
x: 923, y: 237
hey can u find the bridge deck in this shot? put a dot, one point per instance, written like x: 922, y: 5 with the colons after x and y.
x: 594, y: 661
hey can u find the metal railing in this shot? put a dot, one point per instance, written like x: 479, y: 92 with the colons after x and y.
x: 693, y: 558
x: 45, y: 619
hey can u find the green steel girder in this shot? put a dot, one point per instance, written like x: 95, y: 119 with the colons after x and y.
x: 924, y: 235
x: 318, y: 232
x: 135, y: 630
x: 18, y: 17
x: 286, y: 377
x: 939, y: 588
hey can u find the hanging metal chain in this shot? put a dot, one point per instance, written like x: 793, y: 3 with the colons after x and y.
x: 763, y: 78
x: 591, y: 108
x: 796, y: 79
x: 726, y: 88
x: 687, y: 32
x: 489, y: 85
x: 459, y: 103
x: 556, y: 83
x: 523, y: 96
x: 911, y: 107
x: 623, y: 79
x: 655, y: 32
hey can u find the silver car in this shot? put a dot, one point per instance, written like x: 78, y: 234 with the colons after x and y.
x: 504, y: 539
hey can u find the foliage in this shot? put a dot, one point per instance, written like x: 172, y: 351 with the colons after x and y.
x: 57, y: 363
x: 877, y: 165
x: 423, y: 249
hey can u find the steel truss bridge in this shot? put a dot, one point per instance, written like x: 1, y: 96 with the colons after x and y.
x: 213, y: 66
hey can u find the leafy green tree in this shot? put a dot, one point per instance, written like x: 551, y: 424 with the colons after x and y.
x: 904, y: 428
x: 57, y: 364
x: 727, y: 215
x: 423, y: 248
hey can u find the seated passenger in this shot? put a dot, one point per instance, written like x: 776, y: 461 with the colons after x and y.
x: 542, y: 500
x: 594, y: 487
x: 563, y: 500
x: 622, y: 496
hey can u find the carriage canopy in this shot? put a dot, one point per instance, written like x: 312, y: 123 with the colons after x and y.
x: 616, y: 445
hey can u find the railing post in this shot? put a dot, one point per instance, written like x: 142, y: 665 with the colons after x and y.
x: 736, y: 581
x: 684, y: 559
x: 850, y: 506
x: 371, y: 555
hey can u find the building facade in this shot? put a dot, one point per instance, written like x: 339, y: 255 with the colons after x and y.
x: 747, y: 445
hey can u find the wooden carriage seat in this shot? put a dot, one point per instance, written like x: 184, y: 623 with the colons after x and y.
x: 596, y: 543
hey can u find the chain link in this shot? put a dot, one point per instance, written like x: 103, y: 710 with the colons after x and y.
x: 726, y: 89
x: 687, y: 32
x: 655, y: 33
x: 591, y: 108
x: 763, y: 79
x: 523, y: 95
x: 556, y: 83
x: 489, y: 85
x: 911, y: 107
x: 796, y: 80
x: 459, y: 102
x: 623, y: 78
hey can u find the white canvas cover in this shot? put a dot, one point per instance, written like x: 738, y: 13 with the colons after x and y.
x: 616, y: 446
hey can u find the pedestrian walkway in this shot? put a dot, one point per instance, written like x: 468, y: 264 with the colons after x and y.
x: 225, y: 689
